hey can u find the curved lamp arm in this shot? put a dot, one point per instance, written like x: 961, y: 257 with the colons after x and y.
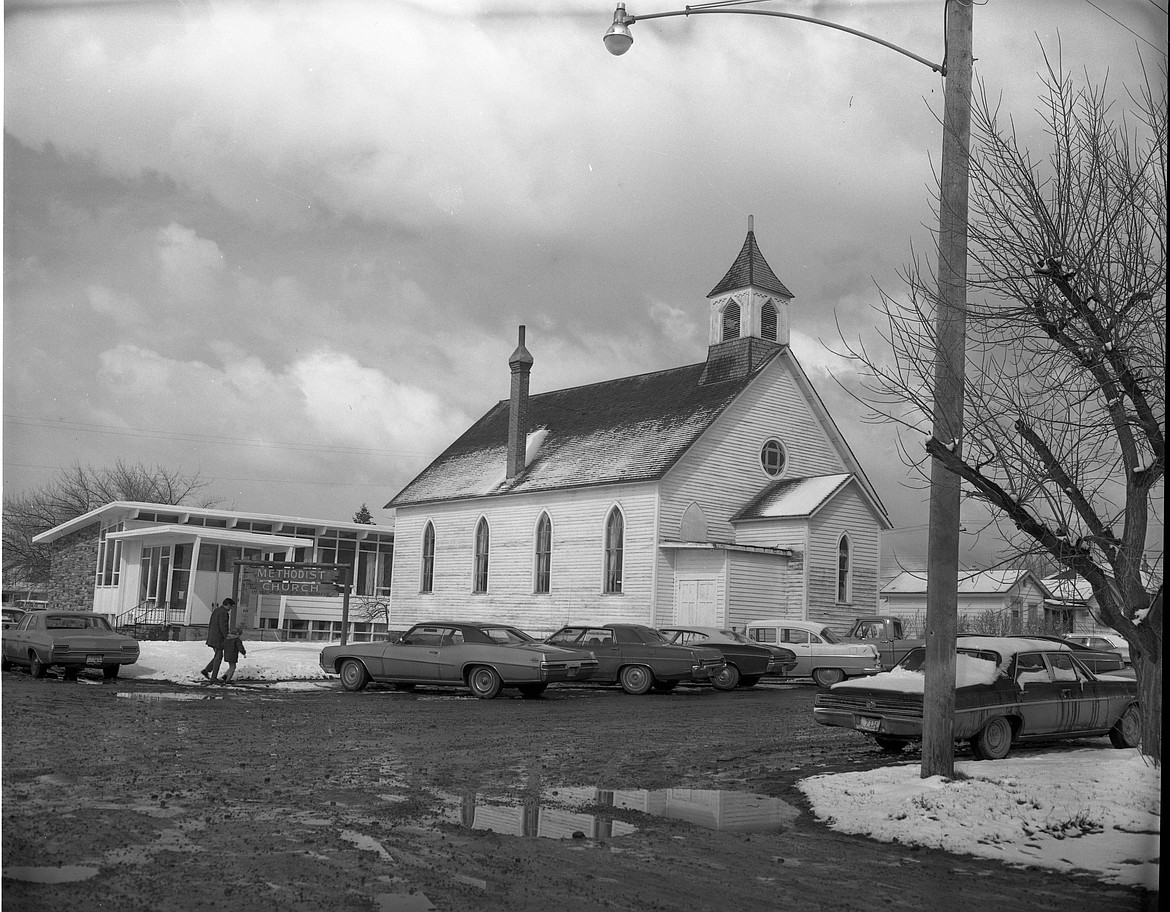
x: 618, y: 39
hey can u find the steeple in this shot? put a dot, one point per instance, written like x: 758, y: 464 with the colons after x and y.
x: 749, y: 314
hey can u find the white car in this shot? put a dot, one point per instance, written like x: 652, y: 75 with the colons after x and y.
x: 1108, y: 641
x: 821, y: 654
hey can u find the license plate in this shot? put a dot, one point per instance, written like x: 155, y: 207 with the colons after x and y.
x: 867, y: 724
x: 93, y: 660
x: 573, y: 669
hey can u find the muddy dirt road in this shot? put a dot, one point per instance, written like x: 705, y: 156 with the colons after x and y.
x: 174, y: 799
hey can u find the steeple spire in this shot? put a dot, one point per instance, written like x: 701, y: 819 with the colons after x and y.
x: 750, y: 269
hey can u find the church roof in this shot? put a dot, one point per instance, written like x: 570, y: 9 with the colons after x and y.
x: 793, y: 497
x: 750, y: 268
x: 626, y: 430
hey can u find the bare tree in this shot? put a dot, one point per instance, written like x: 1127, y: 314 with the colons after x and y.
x: 76, y: 491
x: 1064, y: 439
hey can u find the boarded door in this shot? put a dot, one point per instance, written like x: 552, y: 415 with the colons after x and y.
x: 696, y: 602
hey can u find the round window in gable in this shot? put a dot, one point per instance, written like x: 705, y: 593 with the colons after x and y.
x: 772, y: 457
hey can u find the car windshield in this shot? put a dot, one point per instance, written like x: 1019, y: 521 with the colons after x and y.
x: 507, y: 635
x: 737, y: 637
x: 73, y: 622
x: 915, y: 659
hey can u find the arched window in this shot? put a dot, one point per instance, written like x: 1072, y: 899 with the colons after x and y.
x: 615, y: 535
x: 694, y: 524
x: 730, y: 322
x: 482, y: 544
x: 543, y: 554
x: 844, y: 571
x: 768, y: 322
x: 427, y: 576
x: 772, y: 457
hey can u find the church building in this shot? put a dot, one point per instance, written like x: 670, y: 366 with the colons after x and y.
x: 716, y: 493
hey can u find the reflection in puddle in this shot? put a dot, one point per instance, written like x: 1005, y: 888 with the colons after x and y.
x: 555, y: 816
x: 56, y: 875
x: 167, y: 696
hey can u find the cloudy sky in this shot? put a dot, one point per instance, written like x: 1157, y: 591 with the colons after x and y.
x: 287, y: 245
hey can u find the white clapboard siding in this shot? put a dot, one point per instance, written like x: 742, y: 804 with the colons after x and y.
x: 847, y: 513
x: 578, y: 522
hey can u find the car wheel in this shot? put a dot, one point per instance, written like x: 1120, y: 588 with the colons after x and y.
x: 110, y: 671
x: 994, y: 742
x: 636, y: 679
x: 727, y: 679
x: 354, y: 675
x: 484, y: 682
x: 827, y: 677
x: 5, y: 664
x: 664, y: 687
x: 36, y: 667
x: 890, y: 745
x: 1128, y: 730
x: 749, y: 680
x: 532, y: 691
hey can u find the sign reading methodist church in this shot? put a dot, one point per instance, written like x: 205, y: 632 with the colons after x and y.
x: 293, y: 579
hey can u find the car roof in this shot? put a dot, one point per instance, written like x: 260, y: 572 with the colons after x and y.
x: 814, y: 626
x: 1008, y: 646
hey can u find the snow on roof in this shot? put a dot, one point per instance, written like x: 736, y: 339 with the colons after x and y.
x: 626, y: 430
x: 793, y: 497
x: 983, y: 582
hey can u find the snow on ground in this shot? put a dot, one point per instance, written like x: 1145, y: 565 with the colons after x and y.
x: 1095, y: 810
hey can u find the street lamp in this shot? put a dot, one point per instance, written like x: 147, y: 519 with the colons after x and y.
x: 938, y: 749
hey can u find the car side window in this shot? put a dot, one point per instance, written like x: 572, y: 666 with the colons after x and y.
x: 1030, y: 669
x: 794, y: 635
x: 1063, y: 667
x: 568, y: 635
x: 600, y: 637
x: 764, y: 635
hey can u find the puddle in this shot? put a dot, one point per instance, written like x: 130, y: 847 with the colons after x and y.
x: 54, y: 875
x: 167, y: 696
x: 560, y: 813
x: 404, y: 902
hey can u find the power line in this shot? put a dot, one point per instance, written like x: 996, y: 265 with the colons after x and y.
x: 1124, y: 26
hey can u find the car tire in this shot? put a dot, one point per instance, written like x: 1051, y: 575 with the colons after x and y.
x: 636, y: 679
x: 1128, y: 730
x: 109, y: 672
x: 354, y: 676
x: 727, y: 679
x: 827, y: 677
x: 532, y: 691
x: 5, y: 664
x: 485, y: 682
x: 994, y: 741
x: 890, y: 745
x: 749, y: 680
x: 36, y: 667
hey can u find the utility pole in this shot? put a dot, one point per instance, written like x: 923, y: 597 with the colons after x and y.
x: 942, y: 580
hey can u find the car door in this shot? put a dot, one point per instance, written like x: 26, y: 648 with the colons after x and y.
x: 1080, y: 709
x: 1041, y: 706
x: 800, y: 642
x: 413, y: 658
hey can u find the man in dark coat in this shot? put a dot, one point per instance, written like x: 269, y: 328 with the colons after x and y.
x: 217, y: 631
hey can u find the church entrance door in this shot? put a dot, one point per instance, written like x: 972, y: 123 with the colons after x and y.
x: 696, y: 601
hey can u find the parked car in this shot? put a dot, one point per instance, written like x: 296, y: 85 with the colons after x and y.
x: 483, y: 657
x: 1007, y: 690
x: 820, y: 653
x: 1108, y: 642
x: 639, y: 657
x: 11, y: 616
x: 1101, y: 661
x: 746, y: 661
x: 71, y: 640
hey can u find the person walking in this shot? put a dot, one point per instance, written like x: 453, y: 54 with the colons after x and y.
x: 217, y: 631
x: 233, y: 648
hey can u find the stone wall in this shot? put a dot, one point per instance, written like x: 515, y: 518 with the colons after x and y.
x: 71, y: 572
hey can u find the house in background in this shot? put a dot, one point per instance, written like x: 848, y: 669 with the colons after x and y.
x: 716, y: 493
x: 1019, y: 597
x: 164, y: 567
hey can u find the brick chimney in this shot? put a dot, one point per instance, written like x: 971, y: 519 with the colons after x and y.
x: 521, y: 365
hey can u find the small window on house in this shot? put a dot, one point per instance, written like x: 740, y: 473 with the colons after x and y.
x: 730, y: 322
x: 482, y: 543
x: 844, y: 571
x: 543, y: 554
x: 427, y: 577
x: 772, y: 458
x: 768, y: 322
x: 615, y: 534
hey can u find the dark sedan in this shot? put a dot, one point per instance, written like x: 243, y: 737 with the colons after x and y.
x: 1007, y: 690
x: 483, y: 657
x: 71, y: 640
x: 747, y: 661
x: 1097, y: 660
x: 639, y: 658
